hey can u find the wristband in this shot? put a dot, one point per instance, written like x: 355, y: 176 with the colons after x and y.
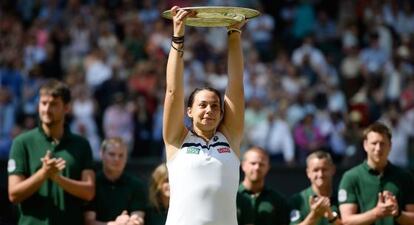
x: 178, y: 40
x: 232, y: 30
x: 179, y: 50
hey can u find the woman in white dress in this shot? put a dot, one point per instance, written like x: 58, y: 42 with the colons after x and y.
x: 203, y: 160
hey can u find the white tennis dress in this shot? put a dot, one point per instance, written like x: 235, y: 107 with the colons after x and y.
x: 203, y: 178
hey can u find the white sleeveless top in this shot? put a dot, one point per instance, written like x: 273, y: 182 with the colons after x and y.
x: 204, y: 178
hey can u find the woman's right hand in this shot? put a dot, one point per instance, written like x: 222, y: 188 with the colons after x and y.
x: 179, y: 15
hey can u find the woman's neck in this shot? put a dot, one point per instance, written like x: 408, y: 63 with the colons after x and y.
x: 206, y: 135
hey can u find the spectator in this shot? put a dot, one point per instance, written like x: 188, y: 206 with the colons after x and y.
x: 325, y: 28
x: 350, y: 67
x: 7, y: 121
x: 142, y: 119
x: 304, y: 20
x: 84, y: 109
x: 120, y: 198
x: 373, y: 57
x: 400, y: 135
x: 50, y: 169
x: 262, y: 29
x: 307, y: 56
x: 405, y: 19
x: 159, y: 197
x: 30, y: 90
x: 96, y: 68
x: 307, y: 137
x: 117, y: 120
x: 257, y: 203
x: 336, y: 137
x: 274, y: 135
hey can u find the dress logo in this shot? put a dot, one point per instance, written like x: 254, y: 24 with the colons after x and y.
x: 193, y: 150
x: 224, y: 150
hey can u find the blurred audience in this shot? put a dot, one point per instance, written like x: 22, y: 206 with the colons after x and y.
x: 340, y: 57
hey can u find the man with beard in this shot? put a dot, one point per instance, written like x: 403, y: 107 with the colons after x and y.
x: 256, y: 203
x: 376, y: 191
x: 50, y: 168
x: 316, y: 204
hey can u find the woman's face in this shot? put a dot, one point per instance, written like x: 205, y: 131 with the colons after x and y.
x: 205, y: 111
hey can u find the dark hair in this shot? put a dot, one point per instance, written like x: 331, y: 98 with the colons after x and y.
x: 378, y: 127
x: 56, y: 88
x: 190, y: 100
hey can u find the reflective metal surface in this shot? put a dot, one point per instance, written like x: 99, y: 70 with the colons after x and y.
x: 216, y: 16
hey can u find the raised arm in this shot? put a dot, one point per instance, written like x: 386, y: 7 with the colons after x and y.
x: 173, y: 118
x: 233, y: 120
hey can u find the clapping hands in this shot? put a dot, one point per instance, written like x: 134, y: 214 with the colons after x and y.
x: 52, y: 166
x: 320, y: 205
x: 125, y: 219
x: 387, y: 205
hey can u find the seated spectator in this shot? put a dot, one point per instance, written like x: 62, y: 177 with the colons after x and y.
x: 118, y: 121
x: 308, y: 53
x: 373, y: 58
x: 262, y: 33
x: 159, y: 197
x: 275, y: 136
x: 325, y: 28
x: 400, y: 135
x: 349, y: 68
x: 336, y: 138
x: 120, y: 197
x: 307, y: 137
x: 84, y: 109
x: 7, y: 120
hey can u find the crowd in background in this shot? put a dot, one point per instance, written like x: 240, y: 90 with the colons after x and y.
x: 316, y: 71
